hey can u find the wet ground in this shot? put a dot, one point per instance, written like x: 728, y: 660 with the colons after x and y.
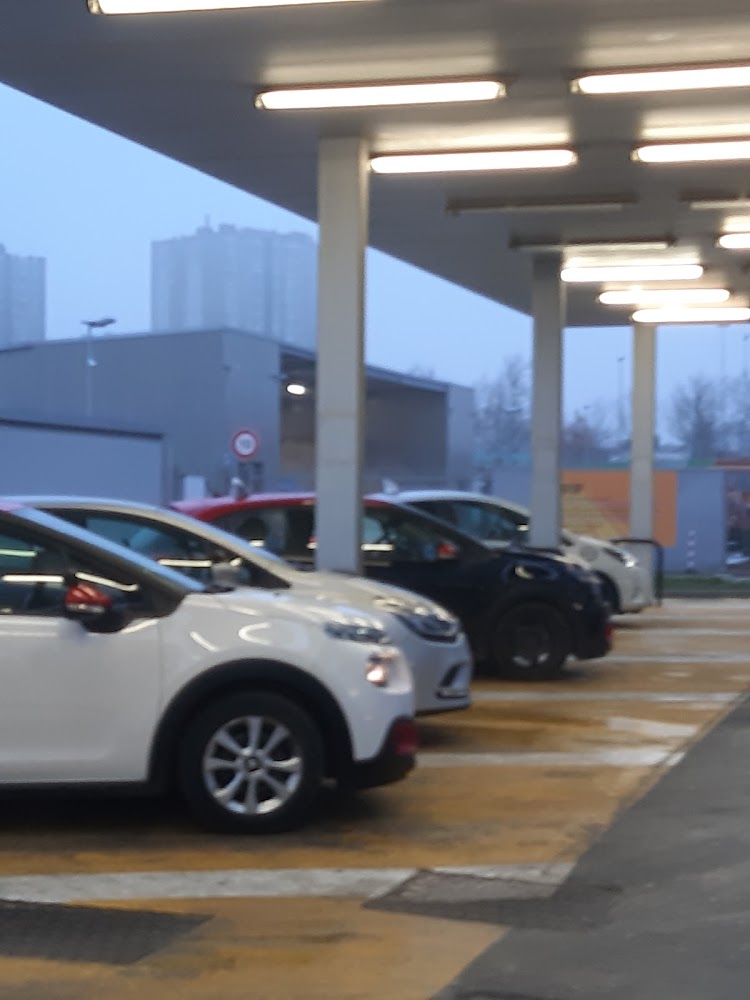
x: 362, y: 903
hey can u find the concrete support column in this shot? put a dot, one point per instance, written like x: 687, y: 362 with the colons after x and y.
x: 642, y: 446
x: 343, y: 188
x: 548, y: 305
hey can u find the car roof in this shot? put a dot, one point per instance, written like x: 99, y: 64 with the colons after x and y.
x: 166, y: 516
x: 69, y: 502
x: 415, y: 496
x: 228, y: 504
x: 33, y: 517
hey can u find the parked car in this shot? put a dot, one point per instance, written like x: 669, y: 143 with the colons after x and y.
x: 119, y: 671
x: 429, y: 636
x: 626, y: 584
x: 524, y: 611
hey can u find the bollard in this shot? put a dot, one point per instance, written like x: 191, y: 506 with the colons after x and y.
x: 690, y: 553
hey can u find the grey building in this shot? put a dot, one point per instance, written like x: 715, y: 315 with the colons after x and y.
x: 22, y: 299
x: 198, y: 389
x: 240, y: 279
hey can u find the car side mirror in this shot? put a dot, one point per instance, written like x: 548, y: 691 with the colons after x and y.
x: 229, y: 574
x: 93, y: 609
x: 447, y: 550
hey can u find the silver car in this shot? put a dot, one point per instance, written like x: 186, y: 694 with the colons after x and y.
x: 430, y: 637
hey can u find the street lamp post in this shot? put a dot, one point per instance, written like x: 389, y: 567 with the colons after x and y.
x: 91, y: 325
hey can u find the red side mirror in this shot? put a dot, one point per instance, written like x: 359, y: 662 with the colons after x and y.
x: 447, y: 550
x: 84, y: 600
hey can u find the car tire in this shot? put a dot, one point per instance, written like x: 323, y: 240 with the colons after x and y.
x: 251, y: 762
x: 530, y: 642
x: 610, y: 594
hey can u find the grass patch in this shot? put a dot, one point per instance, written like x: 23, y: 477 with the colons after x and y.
x: 693, y: 584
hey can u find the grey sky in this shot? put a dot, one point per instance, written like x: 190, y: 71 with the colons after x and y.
x: 91, y: 202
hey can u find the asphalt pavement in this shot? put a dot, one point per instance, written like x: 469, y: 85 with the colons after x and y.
x: 657, y: 909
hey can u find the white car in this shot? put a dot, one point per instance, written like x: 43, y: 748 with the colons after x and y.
x: 626, y: 584
x: 115, y: 670
x: 430, y: 637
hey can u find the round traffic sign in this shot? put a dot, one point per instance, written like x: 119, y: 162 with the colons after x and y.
x: 245, y: 444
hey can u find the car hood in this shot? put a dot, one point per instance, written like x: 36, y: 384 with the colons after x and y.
x: 359, y: 592
x: 298, y: 605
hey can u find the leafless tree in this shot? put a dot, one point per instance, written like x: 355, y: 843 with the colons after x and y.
x: 502, y: 415
x: 588, y: 438
x: 695, y: 419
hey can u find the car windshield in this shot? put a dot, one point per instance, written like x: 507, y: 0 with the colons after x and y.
x: 33, y: 516
x: 234, y: 543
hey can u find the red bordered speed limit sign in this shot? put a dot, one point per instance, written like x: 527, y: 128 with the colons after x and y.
x: 245, y: 444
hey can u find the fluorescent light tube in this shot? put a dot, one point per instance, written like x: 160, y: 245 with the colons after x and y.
x: 501, y: 159
x: 603, y: 203
x: 664, y: 296
x: 180, y: 6
x: 693, y: 152
x: 586, y: 245
x: 734, y: 241
x: 380, y: 95
x: 715, y: 203
x: 633, y: 272
x: 650, y: 81
x: 734, y: 314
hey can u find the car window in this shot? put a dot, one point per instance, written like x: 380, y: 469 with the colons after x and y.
x: 390, y: 535
x: 283, y: 531
x: 35, y: 575
x: 486, y: 522
x: 169, y: 546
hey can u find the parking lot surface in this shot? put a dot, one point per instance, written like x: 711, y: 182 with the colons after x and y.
x: 113, y: 897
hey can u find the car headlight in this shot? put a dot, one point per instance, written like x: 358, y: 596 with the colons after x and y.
x: 356, y: 632
x: 622, y: 555
x: 428, y: 622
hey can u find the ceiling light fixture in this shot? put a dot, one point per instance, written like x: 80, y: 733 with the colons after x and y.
x: 624, y: 246
x: 632, y: 272
x: 498, y: 159
x: 664, y: 296
x: 602, y: 203
x: 734, y: 241
x: 654, y: 81
x: 182, y: 6
x: 716, y: 201
x: 732, y: 314
x: 380, y: 95
x: 693, y: 152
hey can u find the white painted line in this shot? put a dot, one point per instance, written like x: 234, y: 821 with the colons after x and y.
x: 645, y: 756
x: 662, y: 628
x: 709, y: 659
x: 249, y: 883
x: 241, y: 883
x: 681, y: 697
x: 679, y: 630
x: 554, y: 874
x: 648, y: 727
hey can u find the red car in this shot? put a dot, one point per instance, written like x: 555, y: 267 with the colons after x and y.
x: 524, y: 611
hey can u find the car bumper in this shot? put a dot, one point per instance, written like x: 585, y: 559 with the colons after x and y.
x: 395, y: 760
x: 639, y: 593
x: 593, y: 634
x: 442, y: 671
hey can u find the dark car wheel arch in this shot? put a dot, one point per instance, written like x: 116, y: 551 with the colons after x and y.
x: 269, y: 676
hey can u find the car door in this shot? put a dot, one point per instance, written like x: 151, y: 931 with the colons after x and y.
x: 407, y: 550
x: 74, y: 705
